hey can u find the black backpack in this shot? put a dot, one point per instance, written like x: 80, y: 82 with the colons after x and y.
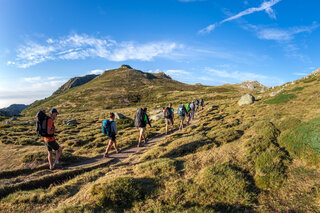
x: 139, y: 119
x: 167, y: 113
x: 42, y: 124
x: 197, y: 102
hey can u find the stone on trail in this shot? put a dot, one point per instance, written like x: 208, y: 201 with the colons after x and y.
x: 70, y: 122
x: 157, y: 117
x: 119, y: 116
x: 246, y: 99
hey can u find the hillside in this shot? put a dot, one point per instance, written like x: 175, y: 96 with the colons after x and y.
x: 120, y: 88
x: 74, y: 82
x: 13, y: 110
x: 262, y: 157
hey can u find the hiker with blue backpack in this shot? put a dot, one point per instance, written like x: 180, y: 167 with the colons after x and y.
x: 140, y: 122
x: 168, y: 113
x: 109, y: 128
x: 192, y: 110
x: 182, y: 112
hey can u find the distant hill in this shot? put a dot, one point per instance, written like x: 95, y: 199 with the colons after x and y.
x: 13, y: 110
x: 115, y: 88
x: 74, y: 82
x: 253, y: 85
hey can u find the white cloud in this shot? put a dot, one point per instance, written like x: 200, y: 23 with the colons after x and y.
x: 301, y: 74
x: 83, y: 46
x: 283, y: 34
x: 265, y: 6
x: 32, y: 79
x: 97, y: 71
x: 178, y: 73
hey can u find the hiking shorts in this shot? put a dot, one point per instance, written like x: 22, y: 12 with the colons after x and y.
x: 142, y: 130
x: 52, y: 145
x: 181, y: 118
x: 112, y: 137
x: 169, y: 121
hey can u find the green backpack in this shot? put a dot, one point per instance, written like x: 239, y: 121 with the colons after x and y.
x: 188, y: 107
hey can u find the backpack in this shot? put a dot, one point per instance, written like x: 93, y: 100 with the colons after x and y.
x: 191, y: 106
x: 167, y: 112
x: 197, y: 102
x: 106, y: 127
x: 181, y: 110
x: 201, y: 102
x: 188, y: 107
x: 42, y: 124
x: 139, y: 120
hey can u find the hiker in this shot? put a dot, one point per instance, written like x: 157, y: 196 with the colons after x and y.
x: 192, y: 110
x: 48, y: 135
x: 188, y: 115
x: 201, y: 103
x: 109, y: 128
x: 141, y: 120
x: 169, y: 116
x: 181, y: 111
x: 196, y: 105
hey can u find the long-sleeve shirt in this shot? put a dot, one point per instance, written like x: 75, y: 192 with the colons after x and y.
x: 146, y: 119
x: 113, y: 127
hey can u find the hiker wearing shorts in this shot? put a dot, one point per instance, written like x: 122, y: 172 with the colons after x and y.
x: 182, y: 112
x: 50, y: 141
x: 169, y: 116
x: 112, y: 135
x: 141, y: 120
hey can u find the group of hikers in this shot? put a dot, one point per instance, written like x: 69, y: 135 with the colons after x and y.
x: 46, y: 128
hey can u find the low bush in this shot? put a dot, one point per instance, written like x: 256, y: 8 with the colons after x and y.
x: 159, y: 168
x: 223, y: 184
x: 281, y: 98
x: 302, y: 141
x: 121, y: 192
x: 224, y: 135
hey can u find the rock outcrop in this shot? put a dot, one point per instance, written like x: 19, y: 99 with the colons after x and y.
x: 13, y: 110
x: 246, y: 100
x: 74, y: 82
x: 120, y: 116
x: 253, y: 85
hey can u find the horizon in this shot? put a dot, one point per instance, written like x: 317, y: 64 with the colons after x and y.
x: 193, y: 41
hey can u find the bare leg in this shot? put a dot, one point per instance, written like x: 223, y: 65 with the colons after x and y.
x: 167, y: 123
x: 58, y: 154
x: 115, y: 145
x: 50, y: 155
x: 109, y: 146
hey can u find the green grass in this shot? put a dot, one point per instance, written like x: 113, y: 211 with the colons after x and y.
x: 302, y: 141
x: 158, y: 168
x: 281, y: 98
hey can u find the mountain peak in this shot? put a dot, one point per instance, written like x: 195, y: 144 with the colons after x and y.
x: 125, y: 66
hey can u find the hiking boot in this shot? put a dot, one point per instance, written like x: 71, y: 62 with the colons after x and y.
x: 51, y: 167
x: 118, y: 151
x: 56, y: 163
x: 106, y: 155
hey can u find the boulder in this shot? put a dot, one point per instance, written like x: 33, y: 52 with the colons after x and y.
x: 246, y: 99
x: 154, y: 112
x: 70, y: 122
x: 120, y: 116
x: 157, y: 117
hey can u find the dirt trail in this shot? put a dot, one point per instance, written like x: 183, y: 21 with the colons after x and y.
x: 42, y: 177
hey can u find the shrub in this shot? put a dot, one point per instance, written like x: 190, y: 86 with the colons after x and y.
x: 288, y: 123
x: 159, y: 168
x: 224, y: 185
x: 27, y: 141
x: 224, y: 135
x: 302, y: 141
x: 281, y: 98
x: 121, y: 192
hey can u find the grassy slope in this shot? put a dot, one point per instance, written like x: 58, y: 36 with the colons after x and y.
x: 234, y: 158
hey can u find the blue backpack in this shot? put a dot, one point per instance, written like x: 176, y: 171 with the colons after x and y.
x: 106, y: 127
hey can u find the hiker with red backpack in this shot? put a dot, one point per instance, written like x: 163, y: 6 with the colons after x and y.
x: 169, y: 116
x: 109, y: 128
x: 46, y: 128
x: 182, y: 112
x: 141, y: 120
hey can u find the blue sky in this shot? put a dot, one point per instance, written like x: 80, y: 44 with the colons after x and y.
x: 43, y: 43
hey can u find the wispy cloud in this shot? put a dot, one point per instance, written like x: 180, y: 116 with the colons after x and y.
x: 301, y: 73
x: 282, y: 34
x: 97, y: 71
x: 83, y: 46
x: 237, y: 76
x: 265, y: 6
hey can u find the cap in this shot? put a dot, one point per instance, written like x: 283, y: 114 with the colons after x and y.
x: 54, y: 110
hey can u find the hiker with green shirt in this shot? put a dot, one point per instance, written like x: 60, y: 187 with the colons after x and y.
x: 169, y: 116
x: 182, y: 112
x: 188, y: 113
x: 141, y: 120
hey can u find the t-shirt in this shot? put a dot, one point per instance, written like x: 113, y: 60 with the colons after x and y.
x: 51, y: 129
